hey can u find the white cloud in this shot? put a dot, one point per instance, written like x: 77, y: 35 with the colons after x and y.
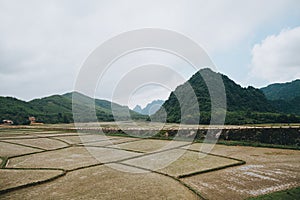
x: 276, y: 58
x: 43, y: 43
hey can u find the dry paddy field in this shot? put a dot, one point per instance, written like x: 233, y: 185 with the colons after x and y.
x: 39, y: 164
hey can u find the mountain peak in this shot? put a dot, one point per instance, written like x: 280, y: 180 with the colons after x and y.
x: 138, y: 109
x: 150, y: 108
x: 238, y: 99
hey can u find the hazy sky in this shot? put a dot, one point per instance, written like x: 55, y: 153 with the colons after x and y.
x: 43, y: 44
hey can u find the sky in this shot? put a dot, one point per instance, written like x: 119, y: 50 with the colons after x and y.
x: 44, y: 44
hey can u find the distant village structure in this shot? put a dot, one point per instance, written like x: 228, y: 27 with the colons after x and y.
x: 7, y: 122
x: 33, y: 121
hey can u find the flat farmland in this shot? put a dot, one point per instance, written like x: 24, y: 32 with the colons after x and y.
x: 58, y: 164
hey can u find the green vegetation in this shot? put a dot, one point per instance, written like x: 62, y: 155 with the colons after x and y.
x: 58, y: 109
x: 247, y: 117
x: 283, y: 138
x: 3, y: 161
x: 287, y: 106
x: 291, y: 194
x: 284, y: 91
x: 16, y: 110
x: 161, y: 136
x: 284, y: 97
x: 255, y: 144
x: 244, y: 105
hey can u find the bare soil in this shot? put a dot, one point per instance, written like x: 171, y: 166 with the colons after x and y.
x: 266, y: 170
x: 11, y: 178
x: 97, y: 167
x: 103, y: 182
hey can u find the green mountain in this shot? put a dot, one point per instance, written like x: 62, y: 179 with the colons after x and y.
x: 16, y: 110
x: 287, y: 106
x: 284, y: 97
x: 244, y: 105
x: 282, y: 91
x: 58, y: 109
x: 277, y: 103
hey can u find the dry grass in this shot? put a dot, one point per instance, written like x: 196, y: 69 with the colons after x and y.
x: 7, y: 150
x: 179, y: 162
x: 69, y: 158
x: 43, y: 143
x: 268, y: 171
x: 13, y: 178
x: 105, y: 183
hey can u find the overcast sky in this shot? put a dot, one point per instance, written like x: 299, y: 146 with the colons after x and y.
x: 43, y: 44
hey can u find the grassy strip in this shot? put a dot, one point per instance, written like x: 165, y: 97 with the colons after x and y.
x: 222, y: 142
x: 256, y: 144
x: 120, y: 135
x: 274, y: 125
x: 211, y: 170
x: 3, y: 162
x: 290, y: 194
x: 33, y: 183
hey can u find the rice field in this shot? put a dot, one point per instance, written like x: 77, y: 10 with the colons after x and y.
x: 58, y: 164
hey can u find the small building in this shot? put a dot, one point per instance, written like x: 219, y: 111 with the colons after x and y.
x: 7, y: 122
x: 33, y: 121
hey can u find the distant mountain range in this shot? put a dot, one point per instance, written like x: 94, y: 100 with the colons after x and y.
x: 150, y: 108
x: 285, y: 97
x: 58, y: 109
x: 282, y: 91
x: 276, y: 103
x: 244, y: 105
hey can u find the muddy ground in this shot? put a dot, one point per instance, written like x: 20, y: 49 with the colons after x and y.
x: 39, y: 164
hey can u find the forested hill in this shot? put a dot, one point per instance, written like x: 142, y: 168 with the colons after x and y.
x: 244, y: 105
x: 58, y: 109
x: 282, y: 91
x: 277, y: 103
x: 284, y: 97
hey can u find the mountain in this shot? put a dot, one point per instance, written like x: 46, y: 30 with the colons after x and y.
x: 244, y: 105
x: 282, y: 91
x: 287, y: 106
x: 277, y: 103
x: 138, y: 109
x: 284, y: 97
x: 58, y: 109
x: 150, y: 108
x: 16, y: 110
